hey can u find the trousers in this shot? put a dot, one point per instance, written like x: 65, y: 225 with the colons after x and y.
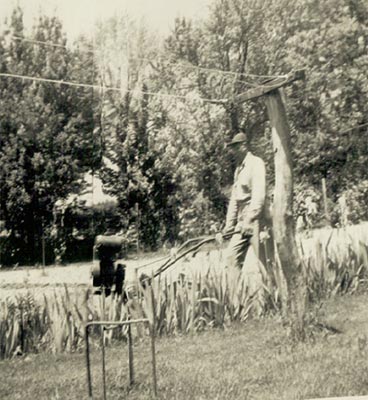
x: 237, y: 251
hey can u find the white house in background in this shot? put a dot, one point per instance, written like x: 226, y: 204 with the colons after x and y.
x: 94, y: 193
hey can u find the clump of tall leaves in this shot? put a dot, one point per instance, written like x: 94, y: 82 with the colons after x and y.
x: 23, y: 326
x: 335, y: 263
x: 57, y: 322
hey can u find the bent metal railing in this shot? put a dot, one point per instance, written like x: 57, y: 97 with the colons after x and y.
x: 107, y: 325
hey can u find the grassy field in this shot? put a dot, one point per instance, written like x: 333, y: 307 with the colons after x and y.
x: 44, y: 311
x: 254, y: 360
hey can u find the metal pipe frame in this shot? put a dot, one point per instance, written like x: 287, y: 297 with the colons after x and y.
x: 106, y: 325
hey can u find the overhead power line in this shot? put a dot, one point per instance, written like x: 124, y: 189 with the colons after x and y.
x: 105, y: 88
x: 353, y: 129
x: 39, y: 42
x: 185, y: 65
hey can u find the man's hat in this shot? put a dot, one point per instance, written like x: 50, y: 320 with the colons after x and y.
x: 240, y: 137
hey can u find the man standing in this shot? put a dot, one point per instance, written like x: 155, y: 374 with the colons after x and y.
x: 246, y: 208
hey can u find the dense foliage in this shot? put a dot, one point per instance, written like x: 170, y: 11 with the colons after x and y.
x: 163, y: 156
x: 46, y: 134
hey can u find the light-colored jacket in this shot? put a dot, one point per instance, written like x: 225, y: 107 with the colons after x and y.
x: 248, y: 195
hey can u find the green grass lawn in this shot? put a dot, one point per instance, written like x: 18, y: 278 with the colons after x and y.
x: 249, y: 361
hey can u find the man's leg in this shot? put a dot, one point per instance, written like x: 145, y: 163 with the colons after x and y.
x: 235, y: 255
x: 236, y: 251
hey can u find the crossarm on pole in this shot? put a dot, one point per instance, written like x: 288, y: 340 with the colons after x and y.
x: 270, y: 86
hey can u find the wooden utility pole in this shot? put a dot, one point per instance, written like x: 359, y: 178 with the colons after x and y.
x: 43, y: 246
x: 294, y: 294
x: 325, y: 205
x: 138, y: 227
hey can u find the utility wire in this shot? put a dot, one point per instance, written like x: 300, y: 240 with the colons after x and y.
x: 106, y: 88
x: 93, y: 138
x: 40, y: 42
x: 266, y: 84
x: 353, y: 129
x: 207, y: 69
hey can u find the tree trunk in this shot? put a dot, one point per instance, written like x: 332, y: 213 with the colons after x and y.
x: 294, y: 294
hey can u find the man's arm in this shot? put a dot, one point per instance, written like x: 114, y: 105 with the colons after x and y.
x: 232, y: 212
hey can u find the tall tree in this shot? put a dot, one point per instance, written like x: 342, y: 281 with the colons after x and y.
x: 42, y: 154
x: 131, y: 171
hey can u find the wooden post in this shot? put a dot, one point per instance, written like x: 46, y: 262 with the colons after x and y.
x: 137, y: 226
x: 153, y: 349
x: 283, y: 223
x: 324, y: 193
x: 130, y: 355
x: 294, y: 292
x: 43, y: 246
